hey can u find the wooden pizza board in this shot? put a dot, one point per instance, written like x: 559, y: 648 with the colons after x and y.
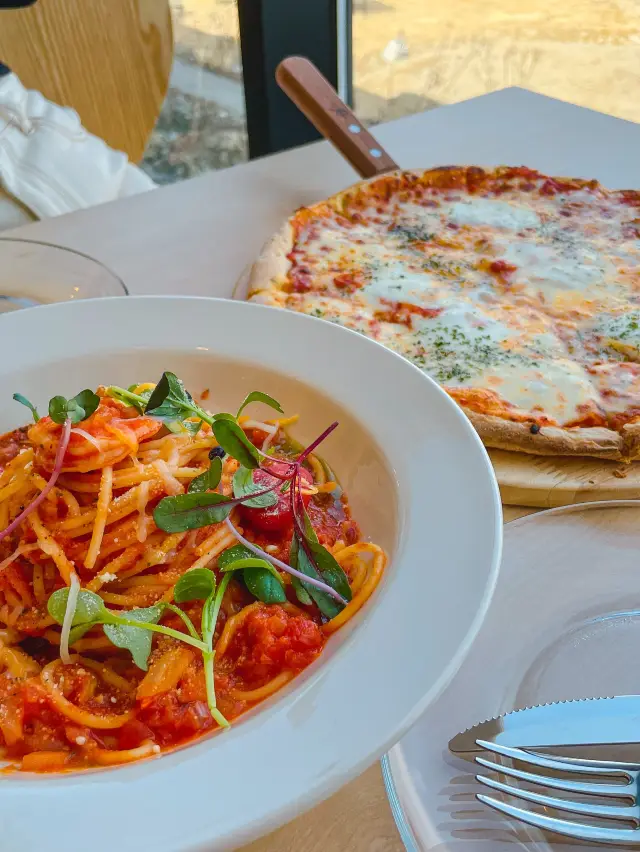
x: 545, y: 481
x: 548, y: 481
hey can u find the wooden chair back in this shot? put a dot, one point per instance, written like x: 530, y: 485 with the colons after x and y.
x: 110, y: 60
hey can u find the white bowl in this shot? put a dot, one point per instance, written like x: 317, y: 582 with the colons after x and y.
x: 420, y: 484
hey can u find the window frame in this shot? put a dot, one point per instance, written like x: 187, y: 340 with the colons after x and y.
x: 271, y: 30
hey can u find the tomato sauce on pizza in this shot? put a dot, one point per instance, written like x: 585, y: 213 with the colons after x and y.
x: 519, y: 293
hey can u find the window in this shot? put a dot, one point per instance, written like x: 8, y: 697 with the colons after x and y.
x: 202, y: 125
x: 413, y: 55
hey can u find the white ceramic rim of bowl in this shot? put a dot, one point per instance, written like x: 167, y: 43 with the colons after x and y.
x: 124, y: 806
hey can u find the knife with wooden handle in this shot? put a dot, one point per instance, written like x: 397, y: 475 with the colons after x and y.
x: 316, y: 98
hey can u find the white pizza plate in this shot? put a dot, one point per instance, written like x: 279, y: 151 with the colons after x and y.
x: 564, y: 623
x: 421, y: 485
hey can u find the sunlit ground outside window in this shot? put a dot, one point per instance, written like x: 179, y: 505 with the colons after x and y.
x: 408, y: 56
x: 412, y: 55
x: 202, y: 124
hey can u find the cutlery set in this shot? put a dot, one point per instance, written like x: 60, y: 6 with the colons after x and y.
x: 586, y: 783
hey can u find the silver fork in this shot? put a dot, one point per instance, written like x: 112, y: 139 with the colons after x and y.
x: 598, y: 770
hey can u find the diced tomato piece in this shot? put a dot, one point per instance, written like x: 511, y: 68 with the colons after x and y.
x: 133, y: 733
x: 171, y: 720
x: 272, y: 639
x: 278, y: 517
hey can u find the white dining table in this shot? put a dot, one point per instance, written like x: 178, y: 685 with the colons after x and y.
x: 197, y: 237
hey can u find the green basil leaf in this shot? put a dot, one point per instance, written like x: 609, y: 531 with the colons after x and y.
x: 263, y: 585
x: 243, y: 486
x: 58, y: 409
x: 136, y: 400
x: 209, y: 480
x: 175, y: 426
x: 169, y: 386
x: 258, y: 396
x: 301, y: 593
x: 224, y: 416
x: 195, y: 585
x: 327, y: 605
x: 90, y: 608
x: 170, y: 413
x: 253, y: 562
x: 235, y: 443
x: 192, y: 427
x: 137, y: 640
x: 24, y: 401
x: 170, y: 400
x: 77, y: 408
x: 330, y: 570
x: 79, y: 630
x: 233, y: 554
x: 86, y: 400
x: 191, y: 511
x: 310, y: 533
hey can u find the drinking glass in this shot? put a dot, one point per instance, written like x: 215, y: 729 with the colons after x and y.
x: 36, y: 273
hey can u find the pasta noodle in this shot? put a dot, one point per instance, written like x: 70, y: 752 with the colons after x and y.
x: 98, y: 689
x: 102, y: 509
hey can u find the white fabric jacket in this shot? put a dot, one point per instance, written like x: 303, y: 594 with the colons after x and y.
x: 50, y: 164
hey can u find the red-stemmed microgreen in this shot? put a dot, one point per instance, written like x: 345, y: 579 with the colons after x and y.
x: 57, y: 469
x: 268, y: 557
x: 304, y: 455
x: 316, y: 567
x: 246, y: 489
x: 66, y: 413
x: 309, y: 556
x: 203, y: 505
x: 197, y: 509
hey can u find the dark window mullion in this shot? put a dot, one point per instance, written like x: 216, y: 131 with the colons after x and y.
x: 270, y: 30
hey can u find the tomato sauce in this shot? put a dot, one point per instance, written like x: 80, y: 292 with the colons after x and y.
x: 270, y: 643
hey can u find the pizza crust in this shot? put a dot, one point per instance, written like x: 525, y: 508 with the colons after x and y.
x: 597, y: 442
x: 269, y: 273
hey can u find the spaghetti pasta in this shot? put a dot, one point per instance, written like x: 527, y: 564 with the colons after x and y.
x: 137, y: 661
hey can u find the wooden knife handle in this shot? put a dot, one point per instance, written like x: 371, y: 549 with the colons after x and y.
x: 314, y: 96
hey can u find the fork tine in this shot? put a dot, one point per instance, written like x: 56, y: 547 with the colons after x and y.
x: 588, y: 809
x: 593, y: 833
x: 563, y: 764
x: 617, y: 790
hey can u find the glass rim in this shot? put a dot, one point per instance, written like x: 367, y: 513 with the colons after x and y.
x: 78, y: 253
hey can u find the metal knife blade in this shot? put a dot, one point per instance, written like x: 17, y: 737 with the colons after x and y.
x: 587, y: 721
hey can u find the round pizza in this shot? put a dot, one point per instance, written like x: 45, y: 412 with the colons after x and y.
x: 519, y: 293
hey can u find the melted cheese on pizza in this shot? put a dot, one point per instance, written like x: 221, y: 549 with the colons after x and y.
x: 520, y: 295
